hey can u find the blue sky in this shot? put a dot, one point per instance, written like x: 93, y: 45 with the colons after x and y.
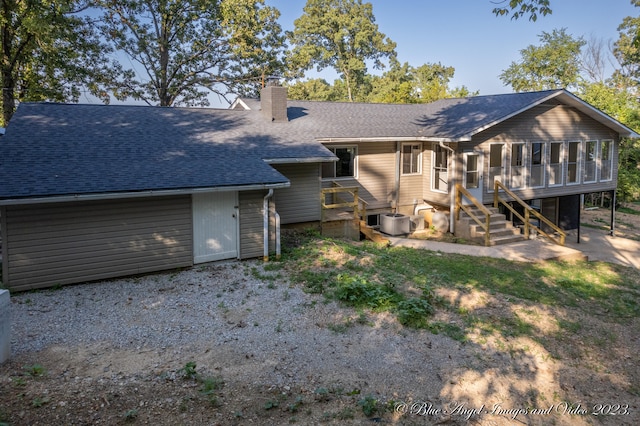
x: 466, y: 35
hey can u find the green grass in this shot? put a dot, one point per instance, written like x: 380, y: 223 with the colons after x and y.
x: 628, y: 210
x: 403, y: 281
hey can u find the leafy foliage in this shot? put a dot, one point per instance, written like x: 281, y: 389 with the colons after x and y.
x: 520, y: 8
x: 402, y: 83
x: 341, y: 34
x: 185, y: 49
x: 555, y: 64
x: 49, y: 52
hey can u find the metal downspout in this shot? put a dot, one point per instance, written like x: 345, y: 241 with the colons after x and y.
x: 397, y: 175
x: 265, y: 215
x: 452, y: 191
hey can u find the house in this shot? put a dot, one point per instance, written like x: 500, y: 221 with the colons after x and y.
x: 92, y: 191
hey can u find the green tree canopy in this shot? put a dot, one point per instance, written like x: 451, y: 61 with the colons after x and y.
x: 552, y: 65
x: 49, y: 52
x: 341, y: 34
x: 520, y: 8
x: 184, y: 50
x: 402, y: 83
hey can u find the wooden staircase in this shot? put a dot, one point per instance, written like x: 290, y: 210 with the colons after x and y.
x: 501, y: 230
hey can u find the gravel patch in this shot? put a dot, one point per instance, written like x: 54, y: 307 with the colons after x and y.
x: 115, y: 352
x: 237, y: 309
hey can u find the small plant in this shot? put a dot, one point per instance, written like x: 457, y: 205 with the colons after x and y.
x: 271, y: 404
x: 369, y: 405
x: 322, y: 394
x: 414, y: 312
x: 35, y: 370
x: 131, y: 415
x: 189, y: 370
x: 279, y: 327
x: 209, y: 387
x: 39, y: 401
x: 295, y: 406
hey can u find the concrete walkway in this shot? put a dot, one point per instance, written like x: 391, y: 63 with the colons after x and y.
x: 594, y: 245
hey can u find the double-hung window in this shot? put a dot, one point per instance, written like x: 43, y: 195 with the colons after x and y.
x: 536, y: 172
x: 496, y: 164
x: 590, y: 161
x: 573, y: 163
x: 411, y: 158
x: 555, y: 164
x: 517, y: 165
x: 606, y: 155
x: 440, y: 169
x: 346, y: 165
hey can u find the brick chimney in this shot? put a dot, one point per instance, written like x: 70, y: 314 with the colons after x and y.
x: 273, y: 102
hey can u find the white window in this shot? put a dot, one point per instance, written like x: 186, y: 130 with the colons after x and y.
x: 517, y: 165
x: 555, y: 164
x: 345, y: 167
x: 573, y: 163
x: 590, y: 160
x: 536, y: 171
x: 411, y: 158
x: 606, y: 155
x: 440, y: 180
x: 496, y: 164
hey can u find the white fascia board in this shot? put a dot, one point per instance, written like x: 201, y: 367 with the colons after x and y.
x: 300, y: 160
x: 395, y: 139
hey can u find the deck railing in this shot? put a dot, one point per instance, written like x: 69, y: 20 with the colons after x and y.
x: 354, y: 202
x: 486, y: 224
x: 528, y: 212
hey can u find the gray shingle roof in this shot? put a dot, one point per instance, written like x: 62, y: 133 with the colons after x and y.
x: 59, y: 149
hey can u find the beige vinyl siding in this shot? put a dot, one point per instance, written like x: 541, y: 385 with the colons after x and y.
x: 301, y: 201
x: 431, y: 196
x: 251, y: 224
x: 548, y: 123
x: 376, y: 174
x: 65, y: 243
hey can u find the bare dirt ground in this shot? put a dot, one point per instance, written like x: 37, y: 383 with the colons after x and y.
x: 272, y: 354
x: 627, y: 224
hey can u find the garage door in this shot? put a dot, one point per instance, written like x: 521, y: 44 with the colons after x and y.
x: 215, y: 226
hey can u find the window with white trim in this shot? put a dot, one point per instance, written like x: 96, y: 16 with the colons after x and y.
x: 555, y: 164
x: 411, y: 158
x: 590, y: 161
x: 517, y: 165
x: 496, y: 164
x: 440, y: 181
x: 536, y: 167
x: 606, y: 160
x: 573, y: 163
x: 345, y: 167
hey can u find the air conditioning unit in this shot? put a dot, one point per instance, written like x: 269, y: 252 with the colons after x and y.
x: 394, y: 224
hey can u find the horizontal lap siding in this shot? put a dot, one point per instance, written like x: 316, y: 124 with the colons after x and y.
x: 65, y: 243
x: 549, y: 123
x: 251, y: 224
x: 376, y: 174
x: 301, y: 201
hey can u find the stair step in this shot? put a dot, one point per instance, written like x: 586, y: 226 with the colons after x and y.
x: 506, y: 239
x: 493, y: 225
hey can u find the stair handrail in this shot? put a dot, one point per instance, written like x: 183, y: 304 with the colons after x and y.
x: 486, y: 226
x: 358, y: 204
x: 528, y: 211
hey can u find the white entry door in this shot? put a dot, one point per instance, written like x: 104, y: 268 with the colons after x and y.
x: 215, y: 226
x: 473, y: 181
